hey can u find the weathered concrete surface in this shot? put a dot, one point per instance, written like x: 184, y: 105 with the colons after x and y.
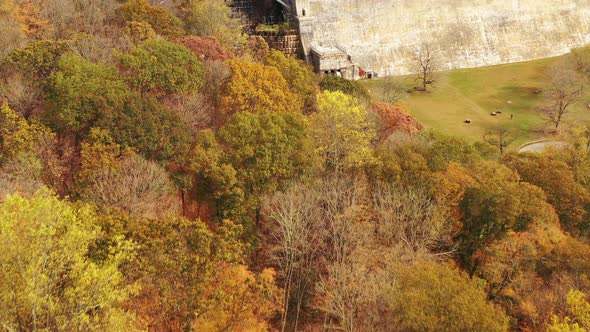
x: 381, y: 35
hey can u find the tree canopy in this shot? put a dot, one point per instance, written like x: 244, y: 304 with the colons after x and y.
x: 255, y: 87
x: 79, y: 92
x: 158, y: 18
x: 341, y: 132
x: 49, y: 280
x: 447, y: 299
x: 162, y: 68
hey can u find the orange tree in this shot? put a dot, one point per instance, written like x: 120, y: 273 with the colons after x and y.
x: 556, y: 178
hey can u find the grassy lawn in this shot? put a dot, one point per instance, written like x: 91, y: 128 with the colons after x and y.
x: 512, y: 89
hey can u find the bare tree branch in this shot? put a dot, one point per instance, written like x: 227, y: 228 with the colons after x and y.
x: 392, y: 90
x: 500, y: 138
x: 426, y: 62
x: 567, y: 86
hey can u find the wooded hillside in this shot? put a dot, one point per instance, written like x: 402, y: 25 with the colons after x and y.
x: 160, y: 170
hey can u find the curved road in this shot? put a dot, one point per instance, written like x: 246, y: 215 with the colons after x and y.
x: 540, y: 146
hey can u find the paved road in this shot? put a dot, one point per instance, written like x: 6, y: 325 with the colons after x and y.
x: 540, y: 146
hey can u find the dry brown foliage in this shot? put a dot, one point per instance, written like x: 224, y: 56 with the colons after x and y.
x: 394, y: 118
x: 206, y: 48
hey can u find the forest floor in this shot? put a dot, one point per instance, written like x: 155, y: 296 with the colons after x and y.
x: 512, y: 89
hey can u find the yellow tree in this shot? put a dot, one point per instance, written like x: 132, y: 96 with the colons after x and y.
x: 30, y: 19
x: 240, y: 301
x: 25, y: 157
x: 580, y: 310
x: 575, y: 153
x: 99, y: 151
x: 300, y: 78
x: 50, y: 281
x: 191, y: 276
x: 211, y: 18
x: 254, y: 87
x: 158, y: 18
x: 570, y: 199
x: 438, y: 297
x: 342, y: 133
x: 17, y: 136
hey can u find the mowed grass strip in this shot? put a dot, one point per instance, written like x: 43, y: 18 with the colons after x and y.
x: 512, y: 89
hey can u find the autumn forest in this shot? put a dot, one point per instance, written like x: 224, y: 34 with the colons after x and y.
x: 163, y: 170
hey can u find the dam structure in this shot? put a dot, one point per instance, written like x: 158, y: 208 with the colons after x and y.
x: 381, y: 37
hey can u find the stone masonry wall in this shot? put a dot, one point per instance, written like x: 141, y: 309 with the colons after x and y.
x: 288, y: 42
x: 381, y: 35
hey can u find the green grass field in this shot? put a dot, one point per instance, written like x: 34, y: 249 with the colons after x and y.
x: 475, y: 93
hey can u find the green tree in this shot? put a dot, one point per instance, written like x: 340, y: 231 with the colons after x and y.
x: 254, y: 87
x: 162, y: 68
x: 211, y: 18
x: 17, y: 136
x: 144, y: 124
x: 441, y: 149
x: 25, y: 71
x: 342, y: 133
x: 353, y: 88
x: 80, y: 92
x: 402, y: 159
x: 38, y: 59
x: 216, y: 179
x: 159, y: 19
x: 438, y: 297
x: 497, y: 203
x: 266, y: 150
x: 48, y: 280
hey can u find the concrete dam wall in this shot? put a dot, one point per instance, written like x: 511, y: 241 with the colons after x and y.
x: 382, y: 35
